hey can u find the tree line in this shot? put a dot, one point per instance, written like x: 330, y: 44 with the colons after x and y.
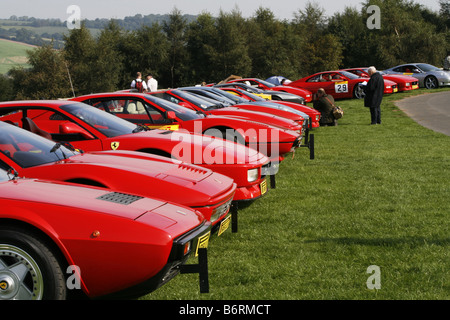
x: 208, y: 49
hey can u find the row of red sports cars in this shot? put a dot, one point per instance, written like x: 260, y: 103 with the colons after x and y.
x: 150, y: 177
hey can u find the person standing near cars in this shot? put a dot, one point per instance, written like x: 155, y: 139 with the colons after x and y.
x: 152, y: 83
x: 374, y: 95
x: 138, y: 84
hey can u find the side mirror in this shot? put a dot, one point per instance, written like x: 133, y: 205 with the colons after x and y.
x: 184, y: 105
x: 73, y: 128
x: 171, y: 115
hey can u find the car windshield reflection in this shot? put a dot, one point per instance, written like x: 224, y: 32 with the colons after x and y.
x: 109, y: 125
x: 28, y: 149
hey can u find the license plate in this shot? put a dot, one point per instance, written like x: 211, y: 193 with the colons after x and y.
x: 263, y: 186
x: 224, y: 225
x: 415, y: 86
x: 203, y: 242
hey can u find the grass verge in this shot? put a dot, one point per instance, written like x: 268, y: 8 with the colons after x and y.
x: 374, y: 195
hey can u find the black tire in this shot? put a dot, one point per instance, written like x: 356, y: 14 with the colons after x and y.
x: 431, y: 82
x: 28, y: 268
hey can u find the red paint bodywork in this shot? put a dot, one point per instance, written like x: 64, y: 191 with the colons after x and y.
x: 271, y: 141
x: 227, y: 158
x: 312, y: 113
x: 340, y: 84
x: 122, y: 171
x: 286, y: 120
x: 141, y: 234
x: 404, y: 83
x: 264, y: 85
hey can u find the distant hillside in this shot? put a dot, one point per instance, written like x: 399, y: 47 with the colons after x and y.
x: 40, y: 31
x: 12, y: 54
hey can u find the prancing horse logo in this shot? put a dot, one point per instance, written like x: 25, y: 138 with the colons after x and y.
x: 3, y: 285
x: 115, y: 145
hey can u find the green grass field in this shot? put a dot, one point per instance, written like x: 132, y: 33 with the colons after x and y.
x: 374, y: 195
x: 12, y: 54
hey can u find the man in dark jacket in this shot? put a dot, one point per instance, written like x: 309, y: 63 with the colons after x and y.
x: 374, y: 95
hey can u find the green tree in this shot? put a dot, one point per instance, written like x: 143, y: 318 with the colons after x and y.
x: 175, y: 29
x: 46, y: 79
x: 6, y: 88
x: 80, y: 53
x: 231, y: 46
x: 107, y: 65
x: 202, y: 36
x: 147, y: 51
x: 405, y: 35
x: 271, y: 44
x: 319, y: 50
x: 351, y: 30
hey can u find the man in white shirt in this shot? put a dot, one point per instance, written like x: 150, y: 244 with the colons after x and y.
x: 152, y: 83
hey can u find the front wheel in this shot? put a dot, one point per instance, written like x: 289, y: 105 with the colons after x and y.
x: 358, y: 91
x: 431, y: 82
x: 28, y: 268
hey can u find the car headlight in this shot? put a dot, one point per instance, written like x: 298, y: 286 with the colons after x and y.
x: 252, y: 175
x: 221, y: 210
x: 408, y: 84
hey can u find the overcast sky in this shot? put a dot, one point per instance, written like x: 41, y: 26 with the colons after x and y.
x: 91, y: 9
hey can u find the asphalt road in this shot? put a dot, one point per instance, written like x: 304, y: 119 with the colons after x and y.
x: 431, y: 110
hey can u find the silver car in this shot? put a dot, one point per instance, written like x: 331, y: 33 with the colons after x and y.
x: 429, y: 76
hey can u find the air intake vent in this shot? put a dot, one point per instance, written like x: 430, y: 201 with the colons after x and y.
x: 120, y: 198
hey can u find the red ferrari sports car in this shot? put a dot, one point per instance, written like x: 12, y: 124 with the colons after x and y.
x: 146, y: 175
x: 313, y: 114
x: 404, y: 82
x: 154, y: 112
x: 209, y: 107
x: 90, y: 129
x: 58, y: 238
x: 208, y: 100
x: 264, y: 85
x: 340, y: 84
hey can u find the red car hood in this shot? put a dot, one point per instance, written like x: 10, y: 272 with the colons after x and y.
x: 197, y: 148
x: 99, y: 201
x: 164, y: 168
x: 142, y: 174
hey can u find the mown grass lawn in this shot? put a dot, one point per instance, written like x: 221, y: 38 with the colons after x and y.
x: 374, y: 195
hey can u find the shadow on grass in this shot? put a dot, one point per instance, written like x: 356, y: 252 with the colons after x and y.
x: 383, y: 242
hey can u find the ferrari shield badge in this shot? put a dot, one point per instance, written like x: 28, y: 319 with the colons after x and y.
x: 115, y: 145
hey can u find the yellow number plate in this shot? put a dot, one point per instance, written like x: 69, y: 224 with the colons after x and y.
x: 263, y: 186
x: 203, y: 242
x: 224, y: 225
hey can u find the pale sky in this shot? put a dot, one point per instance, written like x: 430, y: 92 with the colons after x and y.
x: 91, y: 9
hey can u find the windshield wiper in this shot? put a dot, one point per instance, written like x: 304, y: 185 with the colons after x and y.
x: 56, y: 147
x: 140, y: 128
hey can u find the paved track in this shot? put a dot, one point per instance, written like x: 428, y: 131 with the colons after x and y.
x: 429, y: 110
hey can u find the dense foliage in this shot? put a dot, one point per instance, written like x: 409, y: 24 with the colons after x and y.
x: 180, y: 51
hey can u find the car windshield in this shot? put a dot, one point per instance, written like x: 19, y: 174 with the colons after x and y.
x: 349, y: 75
x: 428, y: 67
x: 236, y: 99
x: 4, y: 176
x: 267, y: 84
x: 28, y: 149
x: 108, y: 124
x: 198, y: 101
x: 181, y: 113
